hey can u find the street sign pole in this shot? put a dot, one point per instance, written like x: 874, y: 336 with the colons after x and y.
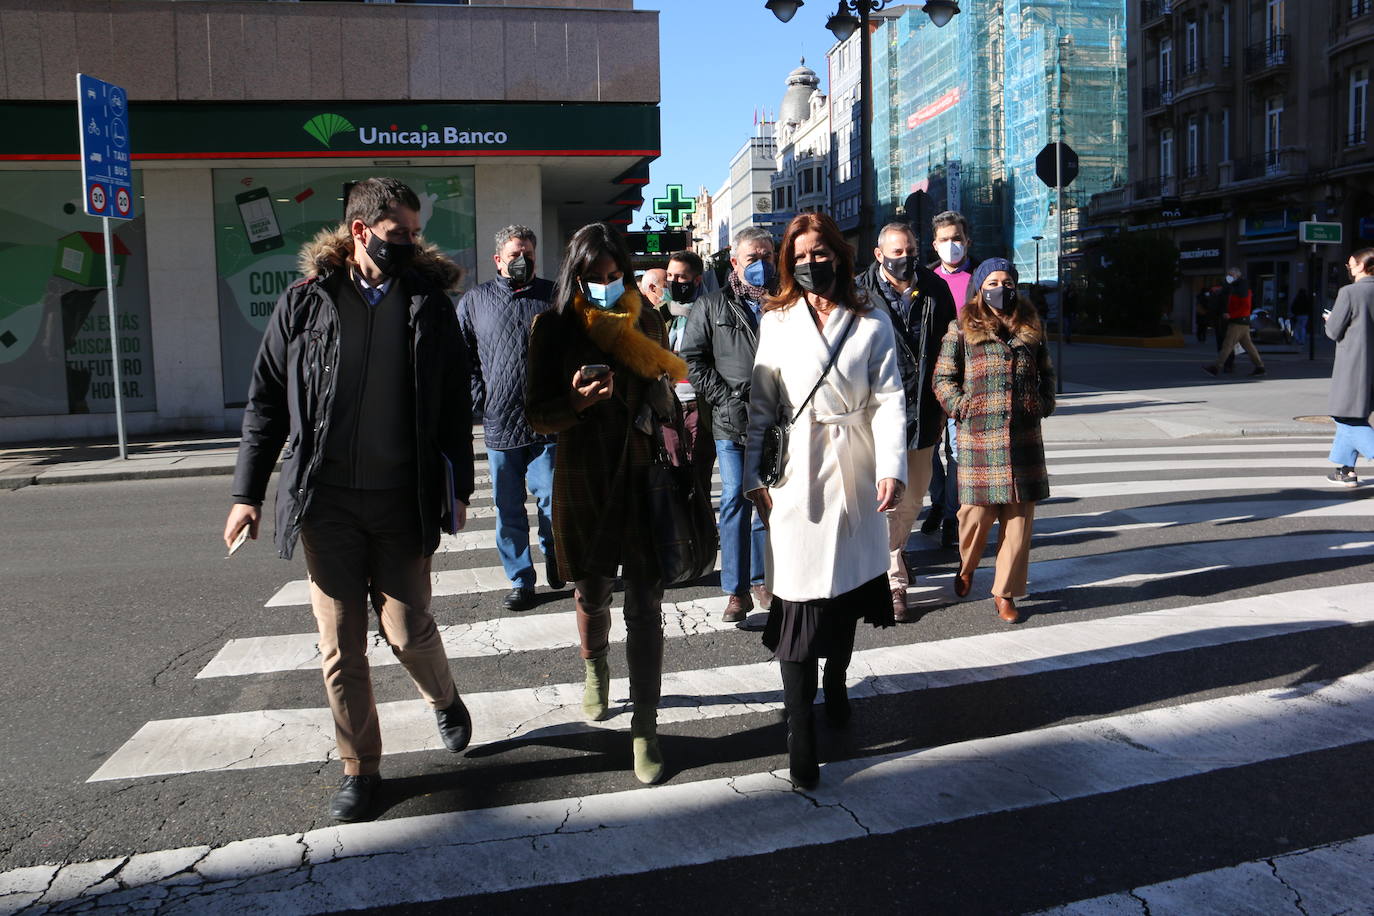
x: 108, y: 188
x: 1059, y: 215
x: 114, y: 340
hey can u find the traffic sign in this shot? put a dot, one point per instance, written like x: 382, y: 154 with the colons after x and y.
x: 1046, y: 169
x: 1314, y: 233
x: 106, y: 177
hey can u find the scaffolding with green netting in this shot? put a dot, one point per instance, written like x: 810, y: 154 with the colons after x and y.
x: 961, y: 112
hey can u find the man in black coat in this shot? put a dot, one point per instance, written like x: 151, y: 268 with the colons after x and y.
x: 921, y: 308
x: 362, y: 376
x: 495, y: 317
x: 719, y: 343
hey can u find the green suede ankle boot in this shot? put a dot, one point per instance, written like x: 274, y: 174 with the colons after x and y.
x: 596, y: 698
x: 648, y: 758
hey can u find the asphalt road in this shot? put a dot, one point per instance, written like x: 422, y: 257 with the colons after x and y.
x: 118, y: 595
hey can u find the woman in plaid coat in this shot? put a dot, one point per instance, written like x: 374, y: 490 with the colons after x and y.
x: 994, y: 378
x: 596, y: 367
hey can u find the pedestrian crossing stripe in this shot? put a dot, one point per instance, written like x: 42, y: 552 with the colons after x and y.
x: 560, y: 841
x: 280, y: 737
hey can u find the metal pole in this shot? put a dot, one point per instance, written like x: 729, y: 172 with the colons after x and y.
x: 1313, y: 272
x: 866, y: 195
x: 114, y: 340
x: 1059, y: 214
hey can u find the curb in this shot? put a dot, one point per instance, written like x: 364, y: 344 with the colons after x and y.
x: 45, y: 479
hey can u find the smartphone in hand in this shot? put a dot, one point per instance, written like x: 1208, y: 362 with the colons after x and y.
x: 239, y: 539
x: 595, y: 371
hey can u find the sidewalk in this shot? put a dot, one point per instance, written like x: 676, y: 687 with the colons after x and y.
x: 1111, y: 394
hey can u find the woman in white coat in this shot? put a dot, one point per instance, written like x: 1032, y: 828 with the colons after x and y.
x: 844, y: 464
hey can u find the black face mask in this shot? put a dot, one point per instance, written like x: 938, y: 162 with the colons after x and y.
x: 520, y: 270
x: 902, y: 268
x: 1000, y: 299
x: 391, y: 258
x: 815, y: 276
x: 682, y: 291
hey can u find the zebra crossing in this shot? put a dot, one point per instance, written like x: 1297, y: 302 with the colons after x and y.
x: 1231, y: 567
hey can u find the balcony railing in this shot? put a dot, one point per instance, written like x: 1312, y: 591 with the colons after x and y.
x: 1194, y: 66
x: 1150, y: 188
x: 1271, y: 164
x: 1156, y: 97
x: 1151, y: 10
x: 1356, y: 137
x: 1351, y: 17
x: 1195, y: 170
x: 1274, y: 52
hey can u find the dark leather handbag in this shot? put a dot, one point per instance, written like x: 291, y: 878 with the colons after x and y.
x: 684, y: 527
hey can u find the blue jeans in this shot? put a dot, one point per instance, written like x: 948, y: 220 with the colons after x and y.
x: 512, y: 469
x: 741, y: 530
x: 944, y: 484
x: 1354, y: 437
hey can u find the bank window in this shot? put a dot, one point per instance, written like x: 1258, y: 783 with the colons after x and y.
x: 1358, y: 113
x: 263, y: 218
x: 55, y: 348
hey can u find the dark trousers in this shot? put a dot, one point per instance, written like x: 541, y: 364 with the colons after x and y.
x: 643, y: 632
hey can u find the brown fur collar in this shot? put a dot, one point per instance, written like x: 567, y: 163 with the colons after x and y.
x: 332, y: 247
x: 617, y: 332
x: 1029, y: 334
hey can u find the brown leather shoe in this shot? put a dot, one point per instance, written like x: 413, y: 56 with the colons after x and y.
x: 963, y: 583
x: 1006, y: 609
x: 899, y: 609
x: 737, y: 608
x: 763, y: 598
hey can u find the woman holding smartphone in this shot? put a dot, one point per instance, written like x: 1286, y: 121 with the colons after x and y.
x: 597, y: 362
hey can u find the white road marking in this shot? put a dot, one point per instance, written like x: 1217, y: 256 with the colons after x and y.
x: 494, y: 636
x: 1208, y: 486
x: 409, y: 860
x: 1239, y: 451
x: 247, y: 740
x: 1325, y: 879
x: 1230, y: 465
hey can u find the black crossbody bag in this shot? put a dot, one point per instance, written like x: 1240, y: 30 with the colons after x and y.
x: 775, y: 436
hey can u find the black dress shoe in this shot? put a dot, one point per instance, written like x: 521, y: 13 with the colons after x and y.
x: 552, y: 577
x: 949, y: 534
x: 519, y: 599
x: 934, y: 517
x: 455, y: 725
x: 354, y: 798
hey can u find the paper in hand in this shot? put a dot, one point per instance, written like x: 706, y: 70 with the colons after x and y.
x: 239, y: 540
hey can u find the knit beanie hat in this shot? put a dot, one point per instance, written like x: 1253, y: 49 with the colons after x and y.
x: 992, y: 265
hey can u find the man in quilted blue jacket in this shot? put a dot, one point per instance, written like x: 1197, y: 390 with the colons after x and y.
x: 495, y: 318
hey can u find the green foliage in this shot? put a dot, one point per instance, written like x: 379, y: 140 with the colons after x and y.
x: 1129, y: 282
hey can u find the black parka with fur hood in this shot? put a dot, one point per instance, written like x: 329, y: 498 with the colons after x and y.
x: 291, y: 392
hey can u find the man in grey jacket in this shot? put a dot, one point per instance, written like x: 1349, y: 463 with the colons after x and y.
x: 495, y: 317
x: 719, y: 343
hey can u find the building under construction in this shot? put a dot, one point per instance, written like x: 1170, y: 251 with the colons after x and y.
x: 962, y: 111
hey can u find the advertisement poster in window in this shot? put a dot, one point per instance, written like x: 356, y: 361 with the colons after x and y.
x: 263, y: 217
x: 54, y: 320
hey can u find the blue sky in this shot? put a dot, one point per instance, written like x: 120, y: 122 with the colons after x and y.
x: 721, y: 61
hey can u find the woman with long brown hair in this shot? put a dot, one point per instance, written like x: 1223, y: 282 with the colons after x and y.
x: 825, y: 361
x: 995, y: 379
x: 597, y: 361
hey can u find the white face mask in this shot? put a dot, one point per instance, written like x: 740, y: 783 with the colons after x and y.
x: 950, y: 252
x: 1230, y: 279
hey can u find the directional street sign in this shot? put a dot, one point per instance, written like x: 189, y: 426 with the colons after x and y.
x: 1045, y: 166
x: 1314, y: 233
x: 674, y: 207
x: 106, y: 177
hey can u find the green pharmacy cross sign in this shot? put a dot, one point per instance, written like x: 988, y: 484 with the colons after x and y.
x: 674, y: 207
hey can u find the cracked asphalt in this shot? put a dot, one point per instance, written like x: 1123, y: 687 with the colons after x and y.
x: 117, y: 594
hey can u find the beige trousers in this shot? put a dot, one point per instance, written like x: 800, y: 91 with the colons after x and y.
x: 363, y: 546
x: 1013, y: 543
x: 900, y: 519
x: 1238, y: 334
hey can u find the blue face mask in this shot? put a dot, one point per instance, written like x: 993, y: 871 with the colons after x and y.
x: 759, y: 273
x: 605, y: 296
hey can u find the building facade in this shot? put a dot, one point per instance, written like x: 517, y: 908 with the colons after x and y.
x: 247, y: 120
x: 751, y: 184
x: 801, y: 178
x: 1247, y: 117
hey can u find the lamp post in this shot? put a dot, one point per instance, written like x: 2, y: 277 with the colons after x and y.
x: 1038, y: 240
x: 851, y: 16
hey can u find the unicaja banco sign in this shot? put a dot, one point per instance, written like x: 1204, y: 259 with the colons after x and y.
x: 325, y: 127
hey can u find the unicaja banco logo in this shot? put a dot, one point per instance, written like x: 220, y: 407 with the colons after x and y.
x: 323, y: 127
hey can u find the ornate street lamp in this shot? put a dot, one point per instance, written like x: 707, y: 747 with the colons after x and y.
x: 849, y: 17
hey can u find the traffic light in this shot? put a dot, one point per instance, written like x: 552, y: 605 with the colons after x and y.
x: 660, y: 243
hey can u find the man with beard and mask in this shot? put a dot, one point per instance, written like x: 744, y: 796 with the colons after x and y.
x: 921, y: 308
x: 682, y: 287
x: 719, y: 343
x: 363, y: 377
x: 953, y: 240
x: 495, y: 317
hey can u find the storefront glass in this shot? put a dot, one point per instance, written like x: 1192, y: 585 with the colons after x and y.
x: 264, y: 216
x: 54, y: 313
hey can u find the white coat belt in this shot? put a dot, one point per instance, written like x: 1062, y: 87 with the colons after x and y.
x: 837, y: 433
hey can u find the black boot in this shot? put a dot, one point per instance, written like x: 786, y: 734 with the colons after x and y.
x: 837, y: 709
x: 799, y: 696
